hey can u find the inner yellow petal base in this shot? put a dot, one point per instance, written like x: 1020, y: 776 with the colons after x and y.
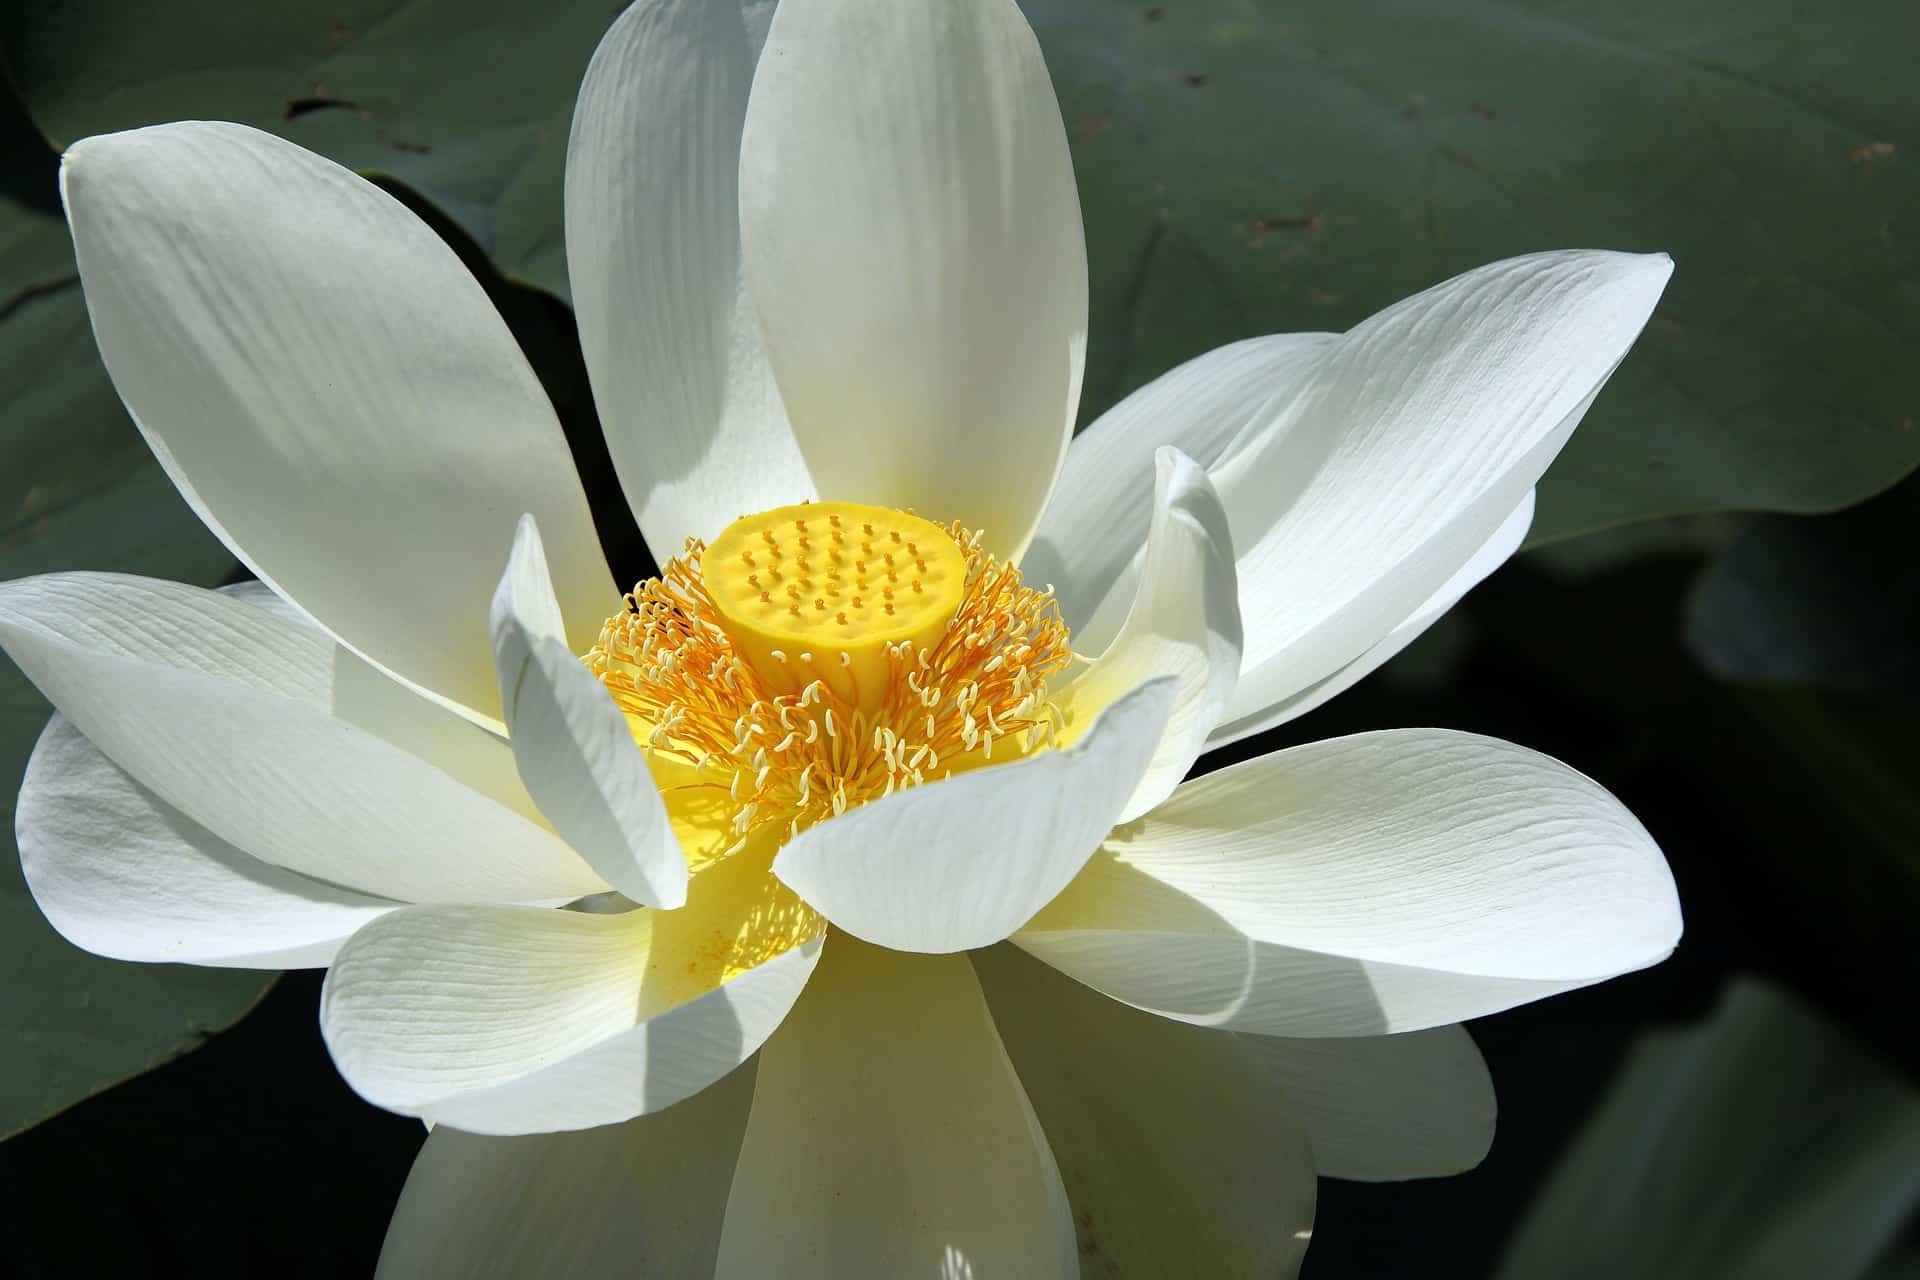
x: 792, y: 669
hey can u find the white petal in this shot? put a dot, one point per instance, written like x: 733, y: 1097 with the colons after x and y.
x: 692, y: 417
x: 1097, y: 520
x: 523, y: 1020
x: 1378, y: 1108
x: 120, y: 872
x: 890, y: 1137
x: 1495, y: 552
x: 1184, y: 621
x: 1382, y: 882
x: 912, y: 242
x: 573, y: 747
x: 1179, y: 1155
x: 328, y: 387
x: 366, y: 697
x: 1121, y: 1093
x: 965, y: 861
x: 1418, y: 432
x: 255, y: 728
x: 609, y: 1201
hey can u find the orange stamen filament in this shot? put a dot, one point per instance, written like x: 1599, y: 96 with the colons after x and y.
x: 797, y: 758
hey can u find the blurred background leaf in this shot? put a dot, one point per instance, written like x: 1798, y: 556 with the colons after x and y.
x: 1764, y: 1143
x: 1251, y: 166
x: 1815, y: 626
x: 1830, y: 604
x: 466, y: 101
x: 78, y: 490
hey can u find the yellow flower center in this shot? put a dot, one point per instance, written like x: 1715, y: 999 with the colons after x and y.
x: 828, y: 594
x: 813, y: 658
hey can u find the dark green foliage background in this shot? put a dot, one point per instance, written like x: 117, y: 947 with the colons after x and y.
x: 1687, y: 627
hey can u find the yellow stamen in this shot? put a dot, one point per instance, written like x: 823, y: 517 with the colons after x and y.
x: 787, y: 716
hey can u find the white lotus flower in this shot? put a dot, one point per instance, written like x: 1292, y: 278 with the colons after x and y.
x: 847, y: 267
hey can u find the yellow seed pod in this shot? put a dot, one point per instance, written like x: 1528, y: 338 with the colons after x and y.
x: 797, y: 611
